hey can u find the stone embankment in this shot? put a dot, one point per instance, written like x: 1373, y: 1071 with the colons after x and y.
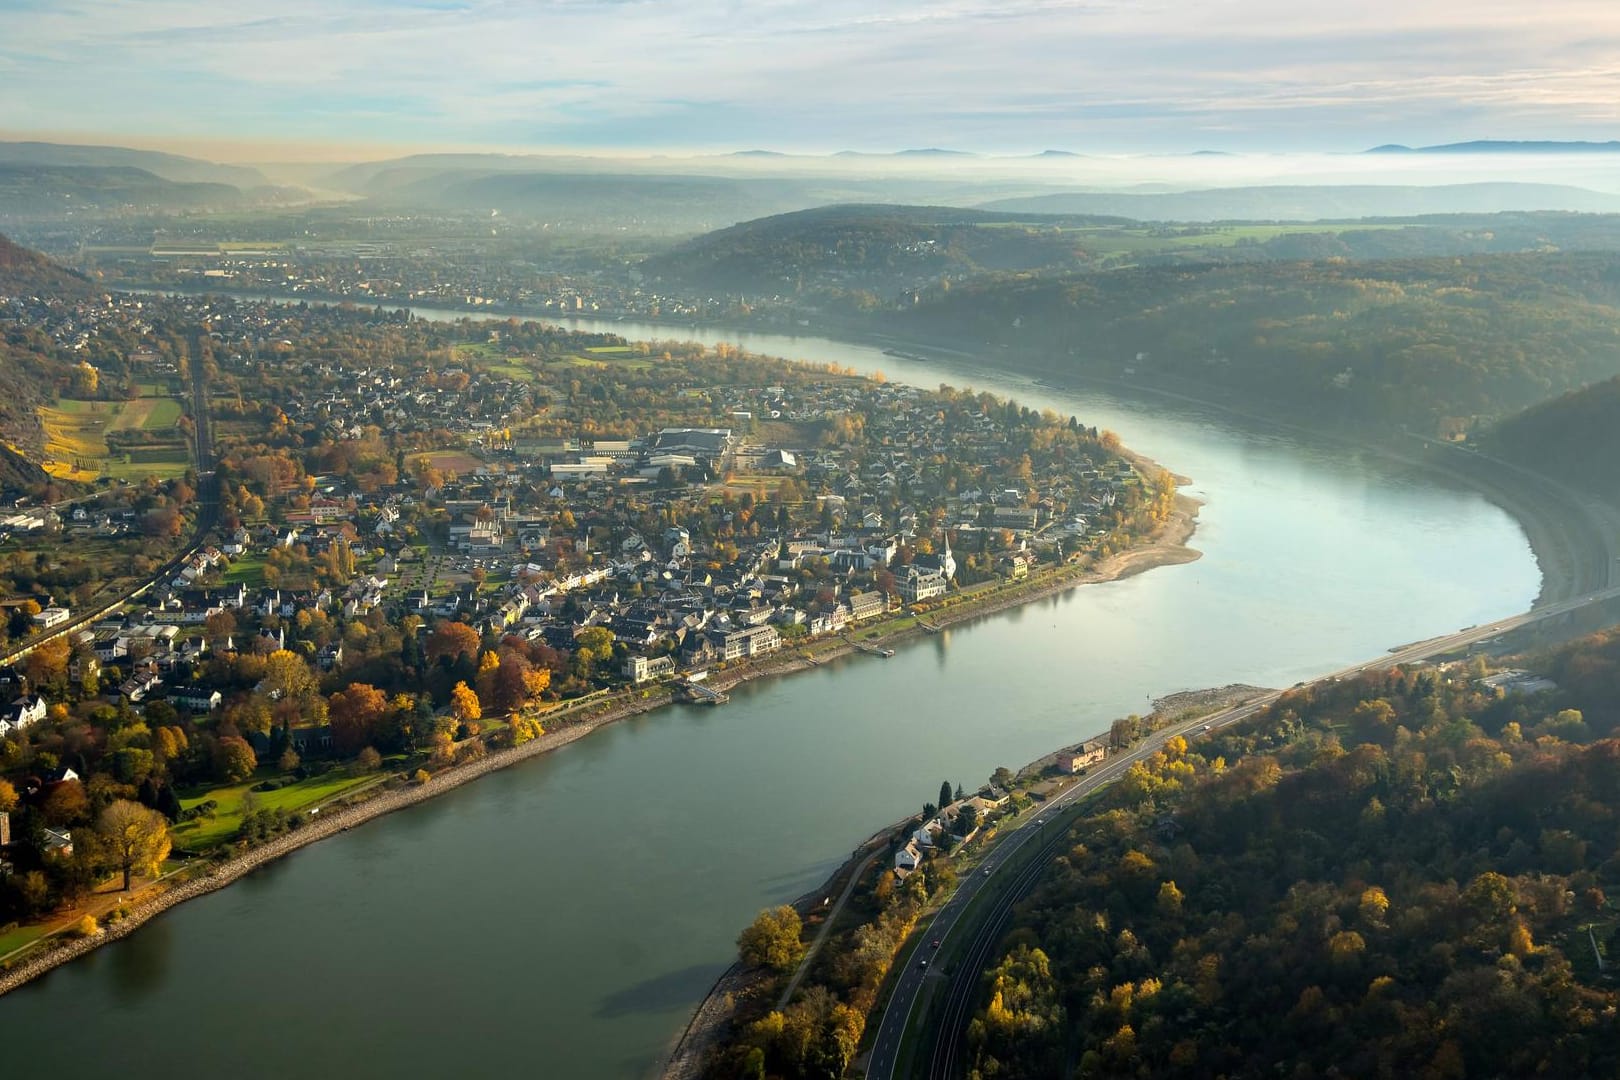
x: 329, y: 821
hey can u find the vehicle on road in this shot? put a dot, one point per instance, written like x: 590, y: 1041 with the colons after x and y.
x: 923, y: 962
x: 935, y: 945
x: 987, y: 871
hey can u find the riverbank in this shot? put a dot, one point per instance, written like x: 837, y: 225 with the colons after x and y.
x: 711, y: 1021
x: 330, y: 821
x: 1166, y: 547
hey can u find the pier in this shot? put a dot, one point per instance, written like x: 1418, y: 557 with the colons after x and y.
x: 698, y: 694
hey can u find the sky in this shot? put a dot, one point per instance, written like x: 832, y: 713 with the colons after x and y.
x: 324, y: 78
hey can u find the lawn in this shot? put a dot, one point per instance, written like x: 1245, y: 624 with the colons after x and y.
x: 205, y: 833
x: 246, y: 569
x: 13, y: 940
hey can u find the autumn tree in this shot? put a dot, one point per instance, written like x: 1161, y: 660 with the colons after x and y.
x: 47, y: 662
x: 464, y: 703
x: 136, y: 839
x: 772, y: 940
x: 452, y: 639
x: 356, y: 715
x: 234, y: 760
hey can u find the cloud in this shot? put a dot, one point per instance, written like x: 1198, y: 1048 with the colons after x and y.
x: 986, y: 74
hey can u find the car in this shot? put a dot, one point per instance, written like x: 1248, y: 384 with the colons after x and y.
x: 987, y: 871
x: 923, y: 962
x: 935, y: 945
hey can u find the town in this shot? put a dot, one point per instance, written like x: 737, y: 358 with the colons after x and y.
x: 421, y: 542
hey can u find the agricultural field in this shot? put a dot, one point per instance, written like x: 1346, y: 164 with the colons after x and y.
x: 446, y: 461
x: 76, y: 432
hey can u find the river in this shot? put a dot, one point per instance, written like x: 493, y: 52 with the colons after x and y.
x: 561, y: 918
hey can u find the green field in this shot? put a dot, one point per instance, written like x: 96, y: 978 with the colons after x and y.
x: 76, y: 439
x: 204, y: 833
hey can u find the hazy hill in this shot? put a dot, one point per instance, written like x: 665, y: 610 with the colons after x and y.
x: 1574, y: 438
x: 28, y: 273
x: 1503, y: 146
x: 1382, y: 344
x: 866, y: 246
x: 1307, y: 203
x: 29, y: 368
x: 44, y: 190
x: 168, y: 166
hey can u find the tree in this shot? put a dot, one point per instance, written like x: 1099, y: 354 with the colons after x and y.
x: 67, y: 803
x: 137, y: 839
x: 8, y: 797
x: 234, y: 760
x: 1003, y: 778
x: 48, y: 661
x: 452, y: 639
x: 945, y: 794
x: 287, y: 675
x: 464, y: 703
x: 356, y: 714
x: 369, y: 760
x: 772, y: 940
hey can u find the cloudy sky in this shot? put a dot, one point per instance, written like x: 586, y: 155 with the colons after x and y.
x: 986, y: 75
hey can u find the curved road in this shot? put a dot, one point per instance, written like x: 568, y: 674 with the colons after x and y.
x: 961, y: 984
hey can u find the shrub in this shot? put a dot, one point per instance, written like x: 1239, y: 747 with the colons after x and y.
x: 422, y: 776
x: 86, y: 927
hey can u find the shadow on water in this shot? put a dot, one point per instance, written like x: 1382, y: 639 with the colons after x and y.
x: 672, y: 990
x: 142, y: 964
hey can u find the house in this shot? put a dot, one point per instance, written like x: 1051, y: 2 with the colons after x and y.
x: 196, y: 700
x: 1017, y: 517
x: 866, y: 605
x: 58, y: 842
x: 754, y: 641
x: 907, y: 858
x: 25, y: 712
x: 52, y: 616
x: 640, y: 669
x: 919, y: 585
x: 1083, y: 756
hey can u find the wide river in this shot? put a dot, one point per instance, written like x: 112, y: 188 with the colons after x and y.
x: 562, y: 917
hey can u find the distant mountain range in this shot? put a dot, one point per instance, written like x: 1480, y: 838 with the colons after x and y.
x: 1503, y: 146
x: 1315, y: 203
x: 44, y: 190
x: 184, y: 170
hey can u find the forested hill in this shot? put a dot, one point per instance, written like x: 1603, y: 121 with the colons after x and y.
x: 1391, y: 876
x: 1574, y: 438
x: 30, y: 369
x: 1425, y: 343
x: 873, y: 247
x: 51, y: 190
x: 24, y: 272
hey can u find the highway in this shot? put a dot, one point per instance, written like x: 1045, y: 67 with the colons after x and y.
x: 941, y: 1059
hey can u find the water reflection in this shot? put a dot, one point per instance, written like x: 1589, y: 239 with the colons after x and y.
x: 142, y: 965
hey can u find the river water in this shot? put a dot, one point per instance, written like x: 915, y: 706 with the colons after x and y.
x: 561, y: 918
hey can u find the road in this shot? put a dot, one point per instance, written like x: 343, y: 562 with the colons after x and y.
x: 207, y: 513
x: 940, y: 1060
